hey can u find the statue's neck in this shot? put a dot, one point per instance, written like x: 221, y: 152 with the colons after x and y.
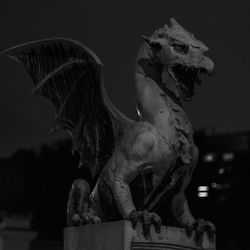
x: 152, y: 88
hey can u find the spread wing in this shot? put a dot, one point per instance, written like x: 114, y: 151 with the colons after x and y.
x: 71, y: 76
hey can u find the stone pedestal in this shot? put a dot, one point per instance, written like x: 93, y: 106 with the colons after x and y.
x: 120, y: 235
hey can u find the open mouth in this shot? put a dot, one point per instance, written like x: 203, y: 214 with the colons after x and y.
x: 187, y: 77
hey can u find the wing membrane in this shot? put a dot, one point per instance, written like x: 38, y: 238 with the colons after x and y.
x: 70, y: 76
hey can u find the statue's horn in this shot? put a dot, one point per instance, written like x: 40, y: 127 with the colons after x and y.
x: 146, y: 38
x: 166, y: 27
x: 174, y: 23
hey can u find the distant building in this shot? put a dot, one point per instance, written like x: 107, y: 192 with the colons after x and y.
x: 220, y: 188
x: 222, y: 166
x: 15, y: 233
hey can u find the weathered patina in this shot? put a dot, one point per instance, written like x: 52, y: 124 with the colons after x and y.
x: 138, y: 163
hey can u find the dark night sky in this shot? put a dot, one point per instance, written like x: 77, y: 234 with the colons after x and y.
x: 112, y: 30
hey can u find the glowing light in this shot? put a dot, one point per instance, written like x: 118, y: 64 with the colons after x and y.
x: 203, y: 188
x: 221, y: 186
x: 209, y: 157
x: 203, y: 194
x: 214, y: 185
x: 138, y: 112
x: 228, y: 156
x: 221, y: 171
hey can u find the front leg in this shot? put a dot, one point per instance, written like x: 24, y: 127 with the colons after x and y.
x: 132, y: 159
x: 127, y: 208
x: 182, y: 212
x: 79, y: 208
x: 183, y: 215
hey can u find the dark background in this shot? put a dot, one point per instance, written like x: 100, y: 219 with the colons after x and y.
x: 35, y: 178
x: 112, y: 30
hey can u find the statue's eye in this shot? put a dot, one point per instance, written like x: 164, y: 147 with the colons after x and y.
x: 180, y: 48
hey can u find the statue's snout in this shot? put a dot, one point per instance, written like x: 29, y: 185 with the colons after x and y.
x: 208, y: 65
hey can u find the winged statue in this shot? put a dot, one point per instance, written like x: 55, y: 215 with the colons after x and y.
x: 137, y: 163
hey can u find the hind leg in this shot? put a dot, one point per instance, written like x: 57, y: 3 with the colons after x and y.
x: 79, y: 209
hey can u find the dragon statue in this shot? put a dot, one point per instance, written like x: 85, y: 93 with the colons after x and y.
x: 137, y: 164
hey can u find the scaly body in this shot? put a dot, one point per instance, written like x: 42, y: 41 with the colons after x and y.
x: 138, y: 163
x: 158, y: 152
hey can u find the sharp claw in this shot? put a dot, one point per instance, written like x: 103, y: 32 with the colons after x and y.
x: 156, y: 221
x: 146, y: 223
x: 198, y: 236
x: 133, y: 217
x: 86, y: 219
x: 211, y: 237
x: 76, y: 219
x: 147, y: 219
x: 211, y: 231
x: 158, y: 227
x: 96, y: 220
x: 211, y: 227
x: 146, y: 230
x: 189, y: 230
x: 200, y: 228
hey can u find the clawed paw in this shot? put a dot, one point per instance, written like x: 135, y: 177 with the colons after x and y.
x: 147, y: 219
x: 85, y: 218
x: 76, y: 219
x: 200, y: 226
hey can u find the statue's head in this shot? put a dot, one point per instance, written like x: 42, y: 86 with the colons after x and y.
x: 182, y: 55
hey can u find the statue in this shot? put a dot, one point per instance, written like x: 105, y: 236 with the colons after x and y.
x: 155, y: 155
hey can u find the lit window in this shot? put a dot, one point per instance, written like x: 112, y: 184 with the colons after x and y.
x: 209, y: 157
x: 203, y: 188
x: 203, y: 194
x: 221, y: 171
x: 221, y: 186
x: 227, y: 156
